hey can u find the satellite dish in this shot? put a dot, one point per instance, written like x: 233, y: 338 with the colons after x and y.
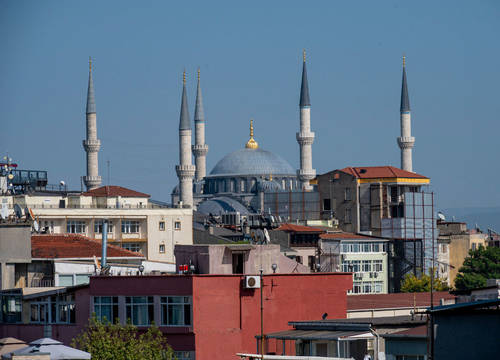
x: 441, y: 216
x: 36, y: 226
x: 62, y: 183
x: 18, y: 211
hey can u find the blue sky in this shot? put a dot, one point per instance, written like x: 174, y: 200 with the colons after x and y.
x: 250, y: 59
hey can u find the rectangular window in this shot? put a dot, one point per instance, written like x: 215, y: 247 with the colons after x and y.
x: 326, y: 205
x: 161, y: 226
x: 394, y: 194
x: 98, y: 226
x: 444, y: 248
x: 176, y: 310
x: 76, y: 227
x: 355, y: 248
x: 347, y: 194
x: 356, y: 287
x: 377, y: 265
x: 473, y: 246
x: 66, y: 280
x: 184, y: 355
x: 140, y: 310
x: 356, y: 265
x: 132, y: 247
x: 177, y: 225
x: 378, y: 286
x: 39, y: 312
x: 366, y: 265
x: 345, y: 248
x: 376, y: 247
x: 82, y: 279
x: 367, y: 247
x: 367, y: 287
x: 130, y: 226
x: 348, y: 216
x: 65, y: 305
x: 106, y: 308
x: 162, y: 248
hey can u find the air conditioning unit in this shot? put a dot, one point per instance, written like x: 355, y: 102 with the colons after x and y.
x: 252, y: 282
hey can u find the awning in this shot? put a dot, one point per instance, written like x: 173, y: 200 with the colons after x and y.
x: 318, y: 335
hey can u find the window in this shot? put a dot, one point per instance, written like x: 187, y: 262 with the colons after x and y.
x: 378, y: 286
x: 65, y: 280
x: 348, y: 216
x: 356, y: 265
x: 347, y: 194
x: 356, y: 287
x: 376, y: 247
x: 394, y: 194
x: 377, y: 265
x: 140, y: 310
x: 65, y: 309
x: 106, y: 307
x: 311, y: 261
x: 162, y: 248
x: 161, y: 226
x: 98, y: 226
x: 76, y: 227
x: 130, y: 226
x: 366, y: 265
x: 367, y: 247
x: 473, y: 246
x: 345, y: 248
x: 176, y: 310
x: 444, y: 248
x: 367, y: 287
x: 136, y: 247
x: 184, y: 355
x: 39, y: 312
x: 177, y: 225
x: 327, y: 205
x: 82, y: 279
x: 355, y: 248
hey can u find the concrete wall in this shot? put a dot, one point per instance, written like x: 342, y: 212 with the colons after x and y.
x: 15, y: 248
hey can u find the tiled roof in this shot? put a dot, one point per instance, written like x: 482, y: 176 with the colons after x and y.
x: 396, y: 300
x: 418, y: 331
x: 375, y: 172
x: 299, y: 228
x: 113, y: 190
x: 347, y: 236
x: 67, y: 246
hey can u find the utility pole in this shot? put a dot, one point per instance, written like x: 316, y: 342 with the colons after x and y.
x: 261, y: 313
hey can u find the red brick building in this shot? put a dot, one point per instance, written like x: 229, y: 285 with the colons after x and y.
x: 203, y: 316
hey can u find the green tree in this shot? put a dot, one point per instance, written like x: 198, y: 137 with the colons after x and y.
x: 412, y: 283
x: 480, y: 265
x: 107, y: 341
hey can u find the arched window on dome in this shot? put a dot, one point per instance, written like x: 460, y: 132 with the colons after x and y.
x: 232, y: 186
x: 252, y: 186
x: 243, y: 185
x: 283, y: 184
x: 291, y: 184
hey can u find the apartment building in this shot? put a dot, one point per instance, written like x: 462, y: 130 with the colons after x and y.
x: 135, y: 222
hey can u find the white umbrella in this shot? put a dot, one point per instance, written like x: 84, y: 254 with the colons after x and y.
x: 55, y: 348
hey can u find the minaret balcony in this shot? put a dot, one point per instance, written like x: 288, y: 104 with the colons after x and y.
x: 91, y: 145
x: 406, y: 142
x: 92, y: 181
x: 200, y: 150
x: 305, y: 138
x: 306, y: 174
x: 185, y: 171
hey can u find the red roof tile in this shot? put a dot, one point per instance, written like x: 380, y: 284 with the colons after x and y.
x: 57, y: 246
x: 416, y: 331
x: 396, y: 300
x: 375, y: 172
x: 299, y: 228
x: 347, y: 236
x: 113, y: 190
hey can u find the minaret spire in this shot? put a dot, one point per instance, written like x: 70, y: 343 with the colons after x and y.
x: 185, y: 170
x: 200, y: 149
x: 305, y: 137
x: 405, y: 141
x: 92, y: 144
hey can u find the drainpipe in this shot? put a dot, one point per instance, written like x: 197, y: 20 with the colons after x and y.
x: 104, y: 243
x: 377, y: 344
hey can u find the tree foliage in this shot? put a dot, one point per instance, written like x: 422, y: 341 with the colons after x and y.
x: 107, y: 341
x: 480, y: 265
x: 412, y: 283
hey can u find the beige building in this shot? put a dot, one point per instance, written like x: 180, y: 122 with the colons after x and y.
x: 455, y: 241
x: 135, y: 223
x: 360, y: 197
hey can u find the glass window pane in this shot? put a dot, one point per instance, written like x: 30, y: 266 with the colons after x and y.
x: 65, y: 280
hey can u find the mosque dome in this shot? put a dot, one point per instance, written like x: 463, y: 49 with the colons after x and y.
x: 249, y: 161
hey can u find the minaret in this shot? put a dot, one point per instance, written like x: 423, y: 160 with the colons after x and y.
x: 405, y: 141
x: 200, y: 149
x: 305, y: 137
x: 185, y: 171
x: 92, y: 144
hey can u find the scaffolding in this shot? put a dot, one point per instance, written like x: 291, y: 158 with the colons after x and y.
x: 293, y: 205
x: 414, y: 236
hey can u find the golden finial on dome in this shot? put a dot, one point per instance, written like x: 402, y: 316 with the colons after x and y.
x: 271, y: 177
x: 251, y: 144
